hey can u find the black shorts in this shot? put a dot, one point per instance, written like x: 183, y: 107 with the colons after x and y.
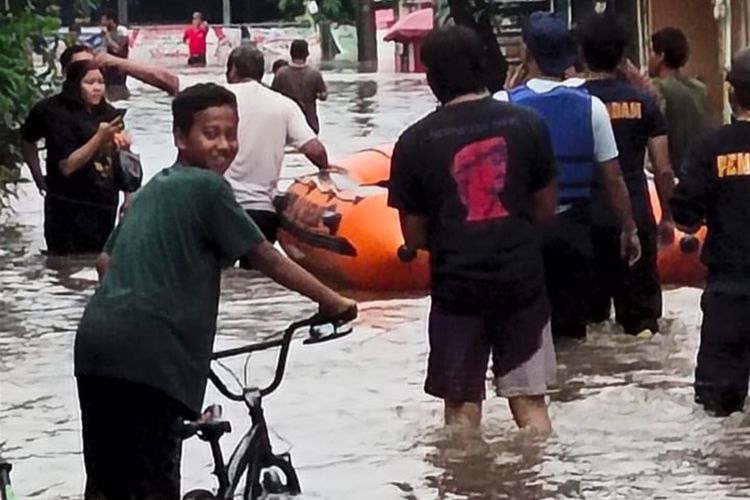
x: 460, y: 347
x: 568, y: 268
x: 131, y: 440
x: 268, y: 223
x: 197, y: 61
x: 723, y: 368
x: 76, y: 228
x: 635, y: 291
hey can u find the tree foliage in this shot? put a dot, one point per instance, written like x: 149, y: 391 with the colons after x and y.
x: 24, y: 24
x: 337, y: 11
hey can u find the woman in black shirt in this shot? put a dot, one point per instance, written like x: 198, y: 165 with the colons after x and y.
x: 84, y: 176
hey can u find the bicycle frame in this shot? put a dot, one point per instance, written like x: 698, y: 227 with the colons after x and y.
x: 253, y: 452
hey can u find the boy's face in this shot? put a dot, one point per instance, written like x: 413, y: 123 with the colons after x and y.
x: 212, y: 141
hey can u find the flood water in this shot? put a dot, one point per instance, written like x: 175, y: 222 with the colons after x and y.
x: 353, y: 411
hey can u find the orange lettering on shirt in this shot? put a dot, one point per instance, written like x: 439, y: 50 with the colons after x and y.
x: 625, y: 110
x: 721, y: 166
x: 635, y: 111
x: 744, y: 160
x: 732, y: 165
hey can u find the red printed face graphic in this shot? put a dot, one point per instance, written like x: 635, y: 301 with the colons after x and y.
x: 479, y: 171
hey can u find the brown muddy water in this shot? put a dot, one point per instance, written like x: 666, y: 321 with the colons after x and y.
x: 352, y: 411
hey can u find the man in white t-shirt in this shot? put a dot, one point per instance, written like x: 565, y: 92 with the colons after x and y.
x: 269, y: 122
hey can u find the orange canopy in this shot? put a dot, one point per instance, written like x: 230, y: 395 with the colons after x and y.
x: 413, y: 26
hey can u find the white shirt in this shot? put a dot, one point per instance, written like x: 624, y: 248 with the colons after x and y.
x: 605, y: 146
x: 269, y: 121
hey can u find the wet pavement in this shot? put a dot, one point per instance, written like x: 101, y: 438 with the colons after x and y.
x: 353, y: 411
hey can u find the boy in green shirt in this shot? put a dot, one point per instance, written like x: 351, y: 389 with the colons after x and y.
x: 144, y: 343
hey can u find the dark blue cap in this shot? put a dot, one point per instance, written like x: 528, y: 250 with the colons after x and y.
x: 550, y: 42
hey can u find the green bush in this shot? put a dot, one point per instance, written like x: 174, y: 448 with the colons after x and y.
x: 21, y: 85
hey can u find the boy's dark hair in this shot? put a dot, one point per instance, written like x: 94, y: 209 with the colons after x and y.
x: 198, y: 98
x: 603, y: 38
x: 299, y: 49
x: 247, y: 61
x: 455, y: 62
x: 68, y: 54
x: 672, y: 43
x: 111, y: 15
x: 742, y: 97
x: 278, y: 64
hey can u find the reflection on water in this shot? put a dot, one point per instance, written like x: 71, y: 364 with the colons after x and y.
x: 353, y: 411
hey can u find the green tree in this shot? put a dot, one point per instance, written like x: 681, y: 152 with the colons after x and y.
x: 24, y: 24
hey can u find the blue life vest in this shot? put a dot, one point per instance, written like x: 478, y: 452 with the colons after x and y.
x: 567, y: 113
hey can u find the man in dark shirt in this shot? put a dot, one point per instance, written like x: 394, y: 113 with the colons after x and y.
x: 716, y: 190
x: 301, y: 83
x: 683, y: 100
x: 585, y: 148
x: 638, y: 124
x: 470, y: 181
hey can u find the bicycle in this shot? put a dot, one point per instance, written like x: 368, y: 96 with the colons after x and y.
x: 253, y: 454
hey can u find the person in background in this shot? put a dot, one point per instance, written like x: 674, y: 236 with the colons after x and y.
x: 301, y: 83
x: 584, y: 147
x: 683, y: 100
x: 84, y: 175
x: 41, y: 121
x: 278, y: 64
x: 638, y: 125
x: 116, y: 41
x: 143, y: 346
x: 195, y: 37
x: 471, y: 181
x: 715, y: 190
x: 269, y: 122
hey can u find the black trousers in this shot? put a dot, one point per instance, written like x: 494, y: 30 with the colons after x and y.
x: 131, y: 440
x: 568, y: 261
x: 268, y: 223
x: 723, y: 369
x: 635, y: 291
x: 197, y: 61
x: 76, y: 228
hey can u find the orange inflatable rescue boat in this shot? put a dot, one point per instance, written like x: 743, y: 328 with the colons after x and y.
x: 339, y: 227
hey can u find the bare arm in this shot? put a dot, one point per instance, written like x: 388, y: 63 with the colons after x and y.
x: 545, y: 203
x: 290, y: 275
x: 82, y: 155
x: 658, y: 152
x: 630, y: 246
x: 316, y: 152
x: 618, y: 193
x: 30, y: 153
x: 160, y: 78
x: 102, y: 265
x: 414, y: 229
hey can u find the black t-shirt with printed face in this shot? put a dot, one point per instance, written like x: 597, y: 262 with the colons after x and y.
x: 636, y: 118
x: 715, y: 188
x: 65, y: 128
x: 471, y: 169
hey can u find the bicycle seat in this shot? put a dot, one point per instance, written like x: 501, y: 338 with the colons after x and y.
x: 207, y: 431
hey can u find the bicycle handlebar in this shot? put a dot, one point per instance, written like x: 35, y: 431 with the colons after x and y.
x: 284, y: 342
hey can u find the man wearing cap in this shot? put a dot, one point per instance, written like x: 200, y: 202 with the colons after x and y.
x: 301, y: 83
x: 583, y: 142
x: 715, y: 190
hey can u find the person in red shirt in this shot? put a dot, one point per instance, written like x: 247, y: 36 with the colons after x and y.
x: 195, y: 37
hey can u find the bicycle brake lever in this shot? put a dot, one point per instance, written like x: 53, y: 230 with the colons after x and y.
x: 317, y: 338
